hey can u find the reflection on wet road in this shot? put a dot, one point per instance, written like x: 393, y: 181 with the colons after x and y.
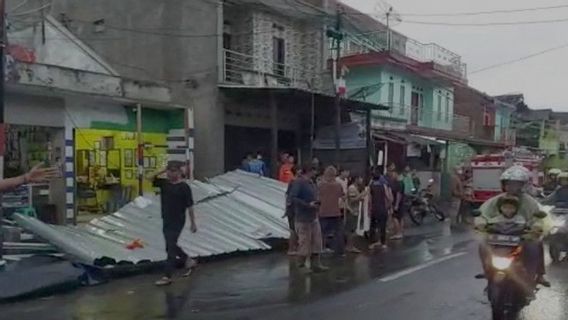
x: 256, y: 286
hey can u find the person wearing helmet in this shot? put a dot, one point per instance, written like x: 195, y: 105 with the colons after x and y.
x: 560, y: 194
x: 514, y: 182
x: 552, y: 180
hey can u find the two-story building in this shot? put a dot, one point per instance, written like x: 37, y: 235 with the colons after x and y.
x: 254, y: 71
x: 421, y: 101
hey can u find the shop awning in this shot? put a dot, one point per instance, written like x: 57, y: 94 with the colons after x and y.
x: 406, y: 138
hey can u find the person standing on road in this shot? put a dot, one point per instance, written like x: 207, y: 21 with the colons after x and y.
x: 285, y: 173
x: 379, y: 206
x: 355, y: 195
x: 176, y: 199
x: 304, y: 198
x: 457, y: 194
x: 331, y: 195
x: 291, y: 215
x: 398, y: 207
x: 408, y: 182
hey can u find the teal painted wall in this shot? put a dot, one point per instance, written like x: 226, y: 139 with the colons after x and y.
x: 394, y: 88
x: 502, y: 121
x: 153, y: 121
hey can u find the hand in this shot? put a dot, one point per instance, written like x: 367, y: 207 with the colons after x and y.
x: 314, y: 204
x: 39, y: 174
x: 193, y: 227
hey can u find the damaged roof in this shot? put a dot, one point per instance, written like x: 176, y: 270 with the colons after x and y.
x: 234, y: 212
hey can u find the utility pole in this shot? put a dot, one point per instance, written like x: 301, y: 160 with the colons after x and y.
x: 337, y: 37
x: 140, y: 139
x: 2, y: 126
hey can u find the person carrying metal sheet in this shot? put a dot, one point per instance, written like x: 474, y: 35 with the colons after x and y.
x: 176, y: 199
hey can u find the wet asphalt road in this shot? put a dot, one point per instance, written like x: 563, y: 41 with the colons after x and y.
x: 427, y: 276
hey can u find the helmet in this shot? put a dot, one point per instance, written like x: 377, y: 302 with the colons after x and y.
x: 563, y: 175
x: 516, y: 173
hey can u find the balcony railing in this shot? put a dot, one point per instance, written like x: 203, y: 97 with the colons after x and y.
x: 449, y: 61
x: 422, y: 117
x: 247, y: 70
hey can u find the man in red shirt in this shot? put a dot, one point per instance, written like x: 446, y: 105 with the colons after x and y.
x: 285, y: 173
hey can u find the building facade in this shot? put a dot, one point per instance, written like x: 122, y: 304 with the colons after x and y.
x: 66, y: 106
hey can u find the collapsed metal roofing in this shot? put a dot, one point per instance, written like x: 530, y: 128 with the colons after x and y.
x: 234, y: 212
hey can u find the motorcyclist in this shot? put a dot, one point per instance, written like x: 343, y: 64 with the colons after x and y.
x: 560, y: 194
x: 552, y: 182
x: 514, y: 181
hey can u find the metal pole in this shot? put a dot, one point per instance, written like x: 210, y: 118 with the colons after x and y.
x: 140, y: 149
x: 2, y: 125
x: 337, y: 95
x: 312, y: 125
x: 189, y: 175
x: 273, y: 134
x: 388, y: 29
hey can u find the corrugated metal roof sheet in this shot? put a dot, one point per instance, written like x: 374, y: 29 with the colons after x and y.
x: 234, y: 212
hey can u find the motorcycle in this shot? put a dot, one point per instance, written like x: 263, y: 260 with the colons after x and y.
x: 421, y: 204
x: 509, y: 283
x: 557, y: 239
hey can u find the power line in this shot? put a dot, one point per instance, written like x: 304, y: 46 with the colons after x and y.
x: 478, y: 13
x: 30, y: 11
x: 520, y: 59
x: 487, y: 24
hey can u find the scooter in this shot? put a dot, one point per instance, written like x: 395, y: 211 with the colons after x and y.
x: 421, y: 204
x: 509, y: 283
x: 557, y: 238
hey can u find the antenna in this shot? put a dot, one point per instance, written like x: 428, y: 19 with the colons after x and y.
x: 385, y: 13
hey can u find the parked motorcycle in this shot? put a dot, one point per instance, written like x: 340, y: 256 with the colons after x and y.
x: 421, y: 204
x: 509, y: 283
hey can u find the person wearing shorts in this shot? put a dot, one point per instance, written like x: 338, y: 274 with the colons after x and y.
x: 303, y: 195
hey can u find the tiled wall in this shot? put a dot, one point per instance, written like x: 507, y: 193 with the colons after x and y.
x: 253, y: 34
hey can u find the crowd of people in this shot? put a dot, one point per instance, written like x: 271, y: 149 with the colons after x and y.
x: 324, y: 206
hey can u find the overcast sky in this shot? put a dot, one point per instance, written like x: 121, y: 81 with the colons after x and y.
x: 542, y: 79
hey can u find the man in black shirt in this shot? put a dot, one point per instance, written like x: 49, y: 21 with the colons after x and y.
x: 176, y: 198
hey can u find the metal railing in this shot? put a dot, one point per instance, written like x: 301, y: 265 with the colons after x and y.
x: 431, y: 52
x: 247, y: 70
x: 420, y: 116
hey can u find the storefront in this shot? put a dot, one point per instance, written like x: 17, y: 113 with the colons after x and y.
x: 106, y: 158
x: 34, y: 136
